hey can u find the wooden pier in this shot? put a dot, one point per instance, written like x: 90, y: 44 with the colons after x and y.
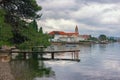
x: 74, y: 53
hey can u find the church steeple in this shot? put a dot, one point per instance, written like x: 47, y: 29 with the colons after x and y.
x: 76, y: 29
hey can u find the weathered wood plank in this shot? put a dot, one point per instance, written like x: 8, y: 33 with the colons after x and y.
x: 57, y: 59
x: 45, y: 51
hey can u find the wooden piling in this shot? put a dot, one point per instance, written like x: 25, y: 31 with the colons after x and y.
x: 52, y: 55
x: 24, y: 56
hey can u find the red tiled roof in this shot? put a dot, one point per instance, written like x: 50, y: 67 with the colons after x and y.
x: 62, y: 33
x: 70, y: 34
x: 57, y: 32
x: 85, y: 36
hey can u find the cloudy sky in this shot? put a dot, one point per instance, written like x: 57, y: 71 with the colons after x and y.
x: 93, y: 17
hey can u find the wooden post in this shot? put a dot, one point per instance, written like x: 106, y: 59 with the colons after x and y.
x: 41, y: 56
x: 52, y: 55
x: 72, y: 55
x: 10, y: 54
x: 24, y: 56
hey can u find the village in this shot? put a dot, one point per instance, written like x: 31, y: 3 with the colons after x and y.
x: 61, y: 36
x: 77, y: 38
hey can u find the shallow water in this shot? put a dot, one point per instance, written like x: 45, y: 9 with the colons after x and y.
x: 97, y: 62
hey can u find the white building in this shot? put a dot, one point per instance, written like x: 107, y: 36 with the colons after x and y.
x: 60, y: 36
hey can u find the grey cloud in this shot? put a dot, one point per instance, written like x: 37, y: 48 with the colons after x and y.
x: 103, y: 1
x: 64, y: 9
x: 57, y: 5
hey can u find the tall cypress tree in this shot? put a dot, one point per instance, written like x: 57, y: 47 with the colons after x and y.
x: 41, y: 30
x: 34, y: 25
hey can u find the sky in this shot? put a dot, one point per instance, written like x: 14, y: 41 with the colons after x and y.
x: 93, y: 17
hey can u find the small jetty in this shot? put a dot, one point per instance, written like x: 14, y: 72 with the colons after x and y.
x: 8, y: 54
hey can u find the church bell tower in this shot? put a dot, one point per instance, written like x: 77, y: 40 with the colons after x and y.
x: 76, y: 29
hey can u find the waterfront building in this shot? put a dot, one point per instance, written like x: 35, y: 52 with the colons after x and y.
x: 68, y: 36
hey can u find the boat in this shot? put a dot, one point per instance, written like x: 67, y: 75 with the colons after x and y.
x: 103, y: 42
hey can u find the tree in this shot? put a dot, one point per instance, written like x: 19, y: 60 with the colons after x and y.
x: 34, y: 25
x: 41, y: 30
x: 35, y: 38
x: 20, y: 8
x: 102, y: 37
x: 17, y: 12
x: 112, y: 39
x: 5, y: 30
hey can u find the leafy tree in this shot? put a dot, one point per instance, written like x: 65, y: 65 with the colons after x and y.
x: 34, y: 37
x: 102, y: 37
x: 17, y: 12
x: 16, y: 29
x: 112, y: 39
x: 93, y: 39
x: 20, y: 8
x: 5, y: 30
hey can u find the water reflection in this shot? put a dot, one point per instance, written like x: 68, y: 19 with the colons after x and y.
x: 93, y: 64
x: 62, y: 47
x: 29, y: 70
x: 72, y: 56
x: 102, y: 47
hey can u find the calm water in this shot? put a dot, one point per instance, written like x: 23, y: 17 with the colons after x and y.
x: 97, y: 62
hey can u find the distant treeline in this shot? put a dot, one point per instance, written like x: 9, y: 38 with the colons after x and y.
x: 103, y: 37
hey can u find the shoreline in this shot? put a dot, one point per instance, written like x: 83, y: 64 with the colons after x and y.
x: 5, y: 71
